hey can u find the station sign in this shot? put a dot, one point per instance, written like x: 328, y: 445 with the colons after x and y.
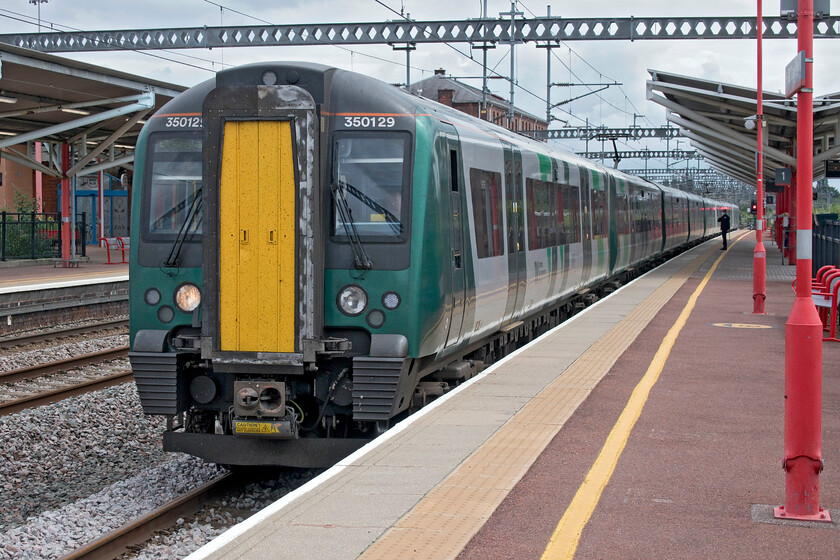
x: 795, y: 75
x: 771, y: 186
x: 832, y: 168
x: 784, y: 175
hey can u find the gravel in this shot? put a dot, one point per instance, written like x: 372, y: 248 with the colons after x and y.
x: 191, y: 534
x: 56, y: 533
x: 56, y: 454
x: 76, y: 469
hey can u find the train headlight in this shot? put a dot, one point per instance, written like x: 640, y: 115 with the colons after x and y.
x: 187, y: 297
x: 352, y: 300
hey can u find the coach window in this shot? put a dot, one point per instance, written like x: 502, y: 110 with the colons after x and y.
x: 533, y: 194
x: 571, y: 214
x: 174, y: 192
x: 543, y: 223
x: 622, y: 218
x: 599, y: 214
x: 370, y: 175
x: 487, y: 212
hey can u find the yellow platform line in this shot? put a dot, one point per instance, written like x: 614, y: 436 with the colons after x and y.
x: 448, y: 517
x: 566, y: 537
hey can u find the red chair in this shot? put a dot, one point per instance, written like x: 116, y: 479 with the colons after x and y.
x: 825, y: 299
x: 116, y: 244
x: 819, y: 279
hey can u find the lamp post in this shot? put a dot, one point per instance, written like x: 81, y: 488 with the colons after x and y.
x: 38, y: 3
x: 759, y: 254
x: 803, y: 330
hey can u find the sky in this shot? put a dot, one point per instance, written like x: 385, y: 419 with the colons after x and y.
x: 728, y: 61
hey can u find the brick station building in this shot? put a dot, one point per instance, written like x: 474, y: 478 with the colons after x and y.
x: 458, y: 95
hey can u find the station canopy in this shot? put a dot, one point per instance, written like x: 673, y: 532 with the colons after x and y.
x: 53, y: 100
x: 719, y: 119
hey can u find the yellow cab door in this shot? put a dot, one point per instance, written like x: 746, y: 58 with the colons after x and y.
x: 257, y: 268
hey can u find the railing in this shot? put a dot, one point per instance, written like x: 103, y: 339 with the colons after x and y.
x: 34, y: 235
x: 826, y: 249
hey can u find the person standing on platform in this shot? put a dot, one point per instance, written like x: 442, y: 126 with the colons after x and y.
x: 724, y: 228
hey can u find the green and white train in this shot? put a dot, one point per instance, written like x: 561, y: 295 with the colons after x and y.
x: 357, y: 251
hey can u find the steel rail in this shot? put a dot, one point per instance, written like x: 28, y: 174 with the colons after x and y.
x: 40, y: 370
x: 114, y: 544
x: 55, y: 395
x: 61, y: 333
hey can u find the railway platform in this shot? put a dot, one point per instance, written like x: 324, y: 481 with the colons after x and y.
x: 37, y: 294
x: 641, y: 455
x: 25, y: 275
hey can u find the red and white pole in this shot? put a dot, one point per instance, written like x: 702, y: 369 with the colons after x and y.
x: 803, y: 331
x: 759, y: 254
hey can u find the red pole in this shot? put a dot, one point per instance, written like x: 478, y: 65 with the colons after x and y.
x: 39, y: 185
x: 803, y: 331
x: 759, y: 254
x: 65, y: 205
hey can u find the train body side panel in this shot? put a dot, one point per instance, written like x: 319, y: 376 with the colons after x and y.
x: 483, y: 164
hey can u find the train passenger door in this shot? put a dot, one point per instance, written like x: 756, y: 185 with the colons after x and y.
x: 515, y: 231
x: 453, y: 181
x: 612, y: 205
x: 586, y: 206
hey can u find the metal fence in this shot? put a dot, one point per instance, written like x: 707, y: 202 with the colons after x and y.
x: 33, y: 235
x: 826, y: 248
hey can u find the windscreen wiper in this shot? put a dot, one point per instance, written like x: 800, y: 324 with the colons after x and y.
x: 390, y: 219
x: 192, y: 211
x: 360, y: 258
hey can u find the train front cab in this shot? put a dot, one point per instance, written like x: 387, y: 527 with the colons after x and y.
x: 241, y: 377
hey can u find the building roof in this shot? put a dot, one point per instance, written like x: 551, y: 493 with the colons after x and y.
x: 462, y: 93
x: 713, y: 115
x: 53, y: 99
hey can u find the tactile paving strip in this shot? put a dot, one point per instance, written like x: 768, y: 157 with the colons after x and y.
x: 445, y: 520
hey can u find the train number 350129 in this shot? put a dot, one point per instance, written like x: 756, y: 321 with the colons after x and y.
x: 369, y: 122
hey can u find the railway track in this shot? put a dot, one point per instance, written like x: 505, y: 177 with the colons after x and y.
x: 40, y: 370
x: 115, y: 543
x: 52, y: 395
x: 61, y: 333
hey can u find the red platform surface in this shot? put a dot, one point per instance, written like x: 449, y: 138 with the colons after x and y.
x: 703, y: 465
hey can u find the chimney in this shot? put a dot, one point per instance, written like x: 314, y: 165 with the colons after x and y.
x: 440, y: 72
x: 445, y: 96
